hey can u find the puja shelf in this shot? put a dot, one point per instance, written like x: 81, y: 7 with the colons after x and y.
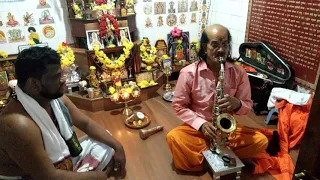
x: 101, y: 103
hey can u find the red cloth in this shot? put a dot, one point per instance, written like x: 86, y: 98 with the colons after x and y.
x: 291, y: 126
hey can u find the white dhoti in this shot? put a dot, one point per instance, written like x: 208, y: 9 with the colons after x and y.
x: 94, y: 156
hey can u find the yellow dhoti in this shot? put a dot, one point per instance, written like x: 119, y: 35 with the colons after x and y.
x: 187, y: 143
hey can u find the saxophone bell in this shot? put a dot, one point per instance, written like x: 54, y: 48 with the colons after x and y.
x: 226, y: 123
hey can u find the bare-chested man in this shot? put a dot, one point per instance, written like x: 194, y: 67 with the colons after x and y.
x: 23, y: 151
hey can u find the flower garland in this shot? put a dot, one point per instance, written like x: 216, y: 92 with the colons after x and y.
x: 66, y: 54
x: 31, y: 42
x: 77, y: 11
x: 3, y: 54
x: 99, y: 2
x: 104, y: 59
x: 148, y: 56
x: 145, y: 84
x: 103, y: 28
x: 102, y: 7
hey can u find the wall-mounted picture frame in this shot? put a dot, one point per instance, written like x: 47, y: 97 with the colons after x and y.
x: 23, y: 47
x: 93, y: 38
x: 124, y: 35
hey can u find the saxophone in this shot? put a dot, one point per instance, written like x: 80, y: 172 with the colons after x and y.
x: 224, y: 123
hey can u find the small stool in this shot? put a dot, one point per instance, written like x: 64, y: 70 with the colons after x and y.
x: 271, y: 112
x: 217, y: 165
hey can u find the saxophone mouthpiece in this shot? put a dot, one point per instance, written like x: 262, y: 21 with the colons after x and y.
x: 221, y: 60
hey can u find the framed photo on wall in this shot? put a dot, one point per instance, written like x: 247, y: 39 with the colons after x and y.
x: 93, y: 38
x: 23, y: 47
x: 124, y: 35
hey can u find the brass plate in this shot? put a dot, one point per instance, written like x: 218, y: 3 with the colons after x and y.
x: 145, y: 122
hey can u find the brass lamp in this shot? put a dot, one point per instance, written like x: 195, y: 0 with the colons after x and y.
x: 124, y: 96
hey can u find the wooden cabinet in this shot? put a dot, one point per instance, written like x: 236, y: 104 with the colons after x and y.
x: 79, y: 32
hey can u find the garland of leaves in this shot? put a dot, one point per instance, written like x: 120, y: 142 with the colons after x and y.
x: 103, y: 28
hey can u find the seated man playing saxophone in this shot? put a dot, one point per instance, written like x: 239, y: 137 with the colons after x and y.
x: 194, y: 99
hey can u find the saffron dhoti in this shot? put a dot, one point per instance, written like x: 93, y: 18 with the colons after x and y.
x: 186, y: 145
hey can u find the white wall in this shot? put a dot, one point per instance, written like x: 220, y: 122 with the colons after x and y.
x: 233, y: 15
x: 154, y: 32
x: 58, y: 11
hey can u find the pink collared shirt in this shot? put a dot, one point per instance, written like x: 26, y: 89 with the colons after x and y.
x: 196, y: 87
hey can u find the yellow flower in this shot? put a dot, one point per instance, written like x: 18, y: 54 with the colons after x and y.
x: 149, y: 68
x: 112, y: 90
x: 142, y: 48
x: 151, y: 83
x: 198, y: 45
x: 92, y: 67
x: 165, y: 56
x: 3, y: 54
x: 76, y: 7
x: 96, y: 47
x: 128, y: 90
x: 101, y: 53
x: 120, y: 63
x: 121, y: 58
x: 160, y: 38
x: 31, y: 42
x: 118, y: 84
x: 179, y: 41
x: 67, y: 57
x: 112, y: 28
x: 104, y: 59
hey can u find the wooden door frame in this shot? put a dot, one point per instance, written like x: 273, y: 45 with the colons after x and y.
x: 309, y: 154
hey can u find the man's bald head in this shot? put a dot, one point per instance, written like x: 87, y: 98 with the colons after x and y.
x: 213, y: 30
x: 215, y: 41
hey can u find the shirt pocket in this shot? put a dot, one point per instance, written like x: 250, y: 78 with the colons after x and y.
x: 204, y: 91
x: 230, y: 91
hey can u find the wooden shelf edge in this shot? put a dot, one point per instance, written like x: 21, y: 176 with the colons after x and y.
x: 10, y: 58
x: 95, y: 19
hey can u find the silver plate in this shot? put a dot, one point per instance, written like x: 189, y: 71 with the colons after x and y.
x: 168, y: 96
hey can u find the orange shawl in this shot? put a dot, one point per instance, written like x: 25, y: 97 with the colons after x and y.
x: 291, y: 126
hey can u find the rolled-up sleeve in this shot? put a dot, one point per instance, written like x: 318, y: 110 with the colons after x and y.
x: 182, y: 100
x: 243, y: 93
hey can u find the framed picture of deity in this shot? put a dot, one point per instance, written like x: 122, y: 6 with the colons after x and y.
x: 93, y: 39
x: 185, y: 43
x: 177, y: 52
x: 124, y: 36
x: 161, y: 47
